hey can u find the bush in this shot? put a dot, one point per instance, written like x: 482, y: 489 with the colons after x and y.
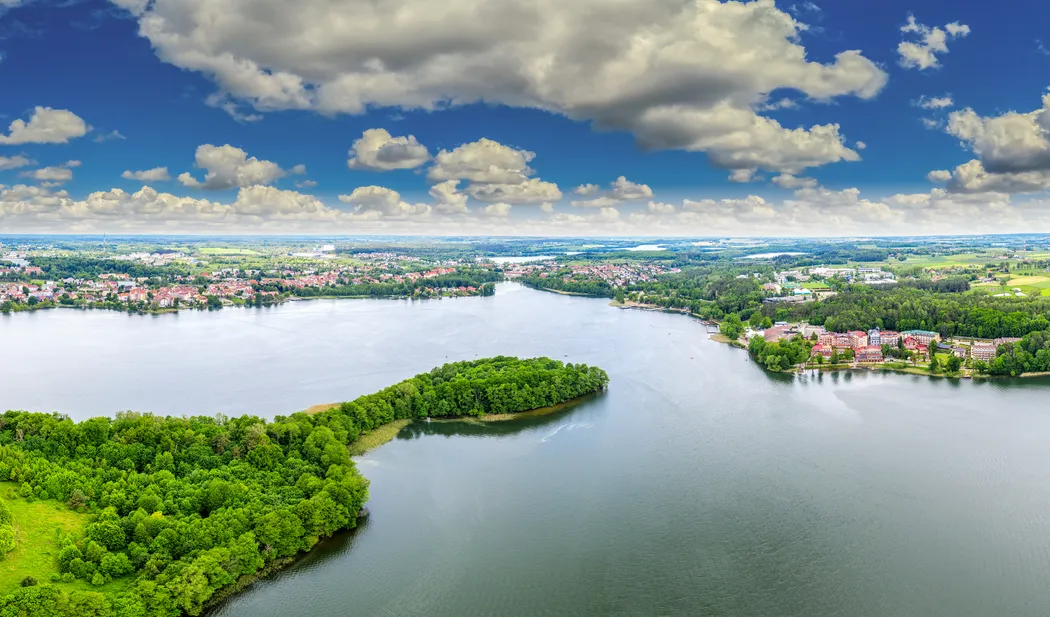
x: 28, y: 581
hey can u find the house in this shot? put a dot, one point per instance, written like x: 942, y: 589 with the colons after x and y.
x: 913, y: 345
x: 869, y: 353
x: 960, y: 352
x: 874, y: 337
x: 826, y: 338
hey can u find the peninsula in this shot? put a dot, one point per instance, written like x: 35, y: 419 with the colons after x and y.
x: 143, y: 515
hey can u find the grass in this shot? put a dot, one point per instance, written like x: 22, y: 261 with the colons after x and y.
x: 377, y: 437
x: 37, y: 525
x: 36, y: 538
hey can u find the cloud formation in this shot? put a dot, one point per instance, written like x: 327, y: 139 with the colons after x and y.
x: 678, y: 74
x: 45, y: 126
x: 377, y: 150
x: 228, y: 167
x: 620, y: 190
x: 921, y: 53
x: 157, y: 174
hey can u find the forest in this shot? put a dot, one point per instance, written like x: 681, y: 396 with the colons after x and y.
x: 903, y: 308
x: 182, y: 508
x: 482, y: 279
x: 1030, y: 355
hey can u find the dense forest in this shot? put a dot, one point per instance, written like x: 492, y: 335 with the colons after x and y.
x: 479, y: 278
x: 183, y: 507
x: 1030, y: 355
x: 782, y: 355
x: 903, y: 308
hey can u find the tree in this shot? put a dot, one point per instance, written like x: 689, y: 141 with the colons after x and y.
x: 731, y: 326
x: 954, y: 364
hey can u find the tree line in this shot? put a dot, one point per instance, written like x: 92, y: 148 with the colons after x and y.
x: 185, y: 506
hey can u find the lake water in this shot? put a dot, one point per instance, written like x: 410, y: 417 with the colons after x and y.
x: 697, y: 485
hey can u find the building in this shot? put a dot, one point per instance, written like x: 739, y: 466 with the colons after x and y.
x: 821, y: 350
x: 924, y: 337
x: 825, y: 338
x: 809, y: 330
x: 960, y: 352
x: 983, y: 350
x: 869, y: 353
x: 779, y: 333
x: 889, y: 337
x: 858, y: 339
x: 874, y: 336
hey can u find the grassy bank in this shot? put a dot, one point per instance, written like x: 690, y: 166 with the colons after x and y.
x: 377, y: 437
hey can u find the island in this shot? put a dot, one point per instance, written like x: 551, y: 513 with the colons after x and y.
x: 142, y: 515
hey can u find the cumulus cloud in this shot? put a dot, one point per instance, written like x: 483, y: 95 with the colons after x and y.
x: 742, y: 176
x: 14, y: 162
x: 483, y: 161
x: 383, y: 201
x: 305, y: 184
x: 620, y: 190
x: 1013, y: 150
x: 921, y: 52
x: 531, y: 191
x: 377, y: 150
x: 586, y: 189
x: 788, y: 181
x: 229, y: 167
x: 45, y: 126
x: 680, y: 74
x: 448, y: 199
x: 157, y: 174
x: 939, y: 175
x: 52, y: 175
x: 499, y: 210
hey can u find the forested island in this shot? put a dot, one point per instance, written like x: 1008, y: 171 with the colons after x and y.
x: 142, y: 515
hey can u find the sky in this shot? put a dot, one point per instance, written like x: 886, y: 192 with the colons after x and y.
x: 525, y: 117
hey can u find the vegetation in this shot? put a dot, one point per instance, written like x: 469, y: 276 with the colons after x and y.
x: 782, y: 355
x: 181, y: 508
x: 1030, y: 355
x: 902, y: 308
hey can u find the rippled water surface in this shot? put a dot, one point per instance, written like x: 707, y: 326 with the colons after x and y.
x: 698, y: 485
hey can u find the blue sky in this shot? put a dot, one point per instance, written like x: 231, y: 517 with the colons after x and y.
x: 89, y: 58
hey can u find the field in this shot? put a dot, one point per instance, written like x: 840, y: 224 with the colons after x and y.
x: 816, y: 286
x: 962, y: 259
x: 37, y: 526
x: 36, y: 538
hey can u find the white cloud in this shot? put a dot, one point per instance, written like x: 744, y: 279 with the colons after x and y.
x: 547, y: 207
x: 939, y: 175
x: 860, y: 145
x: 157, y: 174
x: 305, y: 184
x: 661, y: 208
x: 14, y: 162
x: 931, y: 41
x: 531, y: 191
x: 935, y: 102
x: 298, y: 170
x: 448, y: 199
x: 219, y: 100
x: 229, y: 167
x: 931, y: 123
x: 377, y: 150
x: 597, y: 202
x: 110, y: 136
x: 742, y: 176
x: 482, y: 161
x: 50, y: 175
x: 620, y: 190
x: 678, y: 75
x: 381, y: 200
x: 500, y: 210
x: 45, y: 126
x: 625, y: 190
x: 788, y: 181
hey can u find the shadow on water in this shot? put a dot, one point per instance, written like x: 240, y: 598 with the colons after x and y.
x: 343, y: 542
x: 473, y: 427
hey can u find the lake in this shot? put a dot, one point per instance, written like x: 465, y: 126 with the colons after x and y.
x: 697, y: 485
